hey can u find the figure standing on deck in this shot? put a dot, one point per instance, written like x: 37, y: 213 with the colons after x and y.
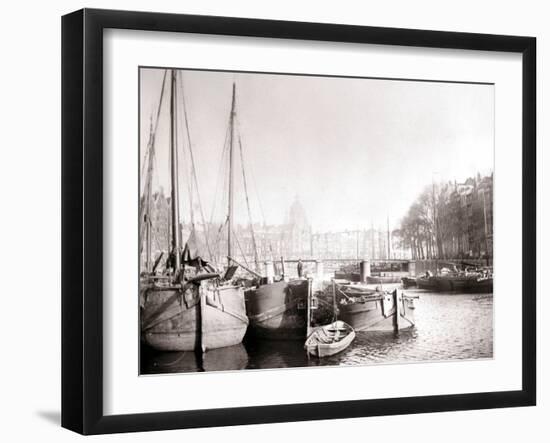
x: 300, y: 268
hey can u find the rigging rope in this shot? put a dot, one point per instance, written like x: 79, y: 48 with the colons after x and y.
x: 194, y: 173
x: 176, y: 160
x: 254, y: 246
x: 217, y: 244
x: 254, y: 183
x: 186, y: 176
x: 151, y: 158
x: 159, y: 108
x: 240, y: 248
x: 223, y: 174
x: 146, y: 160
x: 220, y: 175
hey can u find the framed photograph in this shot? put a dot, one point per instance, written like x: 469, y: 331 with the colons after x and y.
x: 268, y: 221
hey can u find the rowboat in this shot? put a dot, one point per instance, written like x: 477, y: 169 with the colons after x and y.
x: 329, y: 339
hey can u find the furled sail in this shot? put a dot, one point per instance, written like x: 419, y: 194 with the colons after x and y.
x: 191, y: 249
x: 193, y: 252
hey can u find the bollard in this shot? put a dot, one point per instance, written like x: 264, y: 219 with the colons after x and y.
x: 397, y: 300
x: 364, y: 270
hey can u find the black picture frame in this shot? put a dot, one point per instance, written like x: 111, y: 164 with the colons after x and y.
x: 82, y: 218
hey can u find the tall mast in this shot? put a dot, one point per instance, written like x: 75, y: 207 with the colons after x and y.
x: 174, y: 173
x: 231, y: 169
x: 148, y: 194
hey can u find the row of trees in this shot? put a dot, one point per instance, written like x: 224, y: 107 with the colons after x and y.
x: 450, y: 221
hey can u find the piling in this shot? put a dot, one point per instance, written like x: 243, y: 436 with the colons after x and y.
x: 364, y: 270
x: 283, y: 273
x: 397, y: 299
x: 269, y: 271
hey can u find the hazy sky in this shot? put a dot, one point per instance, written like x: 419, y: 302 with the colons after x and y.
x: 354, y: 151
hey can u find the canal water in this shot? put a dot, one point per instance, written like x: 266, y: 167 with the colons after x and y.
x: 448, y: 327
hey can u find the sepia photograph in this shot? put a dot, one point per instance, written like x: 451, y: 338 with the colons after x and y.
x: 297, y: 221
x: 291, y: 217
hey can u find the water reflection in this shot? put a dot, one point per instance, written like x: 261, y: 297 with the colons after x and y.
x: 231, y: 358
x: 448, y: 326
x: 275, y: 354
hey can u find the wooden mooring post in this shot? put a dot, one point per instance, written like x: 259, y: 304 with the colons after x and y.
x: 308, y: 312
x: 397, y: 302
x: 364, y: 270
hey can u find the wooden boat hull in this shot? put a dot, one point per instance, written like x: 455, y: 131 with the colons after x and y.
x: 484, y: 285
x: 349, y: 276
x: 277, y: 311
x: 319, y: 342
x: 468, y: 284
x: 427, y: 283
x: 378, y: 313
x: 373, y: 280
x: 443, y: 284
x: 408, y: 282
x: 197, y: 317
x: 457, y: 283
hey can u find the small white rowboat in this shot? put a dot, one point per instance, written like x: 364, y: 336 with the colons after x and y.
x: 329, y: 339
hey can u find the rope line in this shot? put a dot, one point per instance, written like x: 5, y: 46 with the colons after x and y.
x: 256, y: 260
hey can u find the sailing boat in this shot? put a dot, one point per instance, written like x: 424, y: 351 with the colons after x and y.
x: 368, y: 310
x: 276, y: 309
x: 180, y: 312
